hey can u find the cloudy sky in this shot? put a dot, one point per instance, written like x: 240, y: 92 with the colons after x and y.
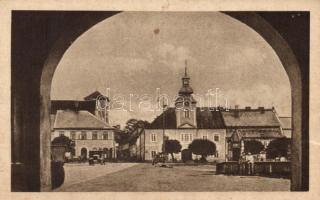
x: 134, y: 53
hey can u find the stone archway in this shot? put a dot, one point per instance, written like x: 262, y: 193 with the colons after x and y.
x: 74, y: 24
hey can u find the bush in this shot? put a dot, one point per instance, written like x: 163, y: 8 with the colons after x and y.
x: 171, y: 147
x: 253, y: 146
x: 278, y: 148
x: 203, y: 147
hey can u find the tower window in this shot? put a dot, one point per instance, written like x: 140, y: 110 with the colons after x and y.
x: 153, y: 137
x: 187, y: 114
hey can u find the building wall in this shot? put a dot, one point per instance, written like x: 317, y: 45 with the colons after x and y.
x: 185, y: 137
x: 89, y: 143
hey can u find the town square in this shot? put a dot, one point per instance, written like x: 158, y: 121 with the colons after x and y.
x: 151, y: 101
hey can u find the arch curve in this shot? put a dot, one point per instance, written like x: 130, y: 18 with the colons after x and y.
x: 73, y: 27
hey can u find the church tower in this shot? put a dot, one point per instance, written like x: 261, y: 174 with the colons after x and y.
x: 185, y: 104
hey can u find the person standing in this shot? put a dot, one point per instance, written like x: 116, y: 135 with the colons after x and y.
x: 250, y: 160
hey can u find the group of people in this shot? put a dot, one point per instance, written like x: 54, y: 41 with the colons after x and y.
x: 246, y: 164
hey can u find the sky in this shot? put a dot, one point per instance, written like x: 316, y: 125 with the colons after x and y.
x: 134, y: 53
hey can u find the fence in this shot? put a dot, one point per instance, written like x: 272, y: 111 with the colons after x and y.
x: 270, y: 168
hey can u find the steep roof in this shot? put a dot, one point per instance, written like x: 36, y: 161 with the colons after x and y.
x: 56, y: 105
x: 209, y: 119
x: 250, y: 118
x: 94, y: 96
x: 170, y: 121
x: 285, y: 123
x: 206, y: 119
x: 68, y: 119
x: 257, y: 133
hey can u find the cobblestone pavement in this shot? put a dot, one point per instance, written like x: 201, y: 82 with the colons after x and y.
x: 147, y: 178
x: 77, y: 173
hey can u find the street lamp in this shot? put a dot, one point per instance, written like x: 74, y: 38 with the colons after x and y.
x: 163, y: 125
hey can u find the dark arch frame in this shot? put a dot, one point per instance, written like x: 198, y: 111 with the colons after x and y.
x: 36, y: 55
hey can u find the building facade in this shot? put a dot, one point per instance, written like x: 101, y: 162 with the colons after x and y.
x: 228, y: 129
x: 88, y: 132
x: 186, y: 122
x: 247, y: 124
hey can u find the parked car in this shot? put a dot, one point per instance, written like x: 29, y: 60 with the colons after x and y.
x: 95, y: 157
x: 159, y: 157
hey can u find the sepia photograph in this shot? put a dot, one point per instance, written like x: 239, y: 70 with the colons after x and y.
x: 121, y: 100
x: 157, y: 101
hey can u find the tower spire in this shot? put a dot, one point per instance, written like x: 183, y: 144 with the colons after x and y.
x: 185, y: 68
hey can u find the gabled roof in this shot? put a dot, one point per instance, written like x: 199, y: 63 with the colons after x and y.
x: 68, y: 119
x: 257, y: 133
x: 206, y: 119
x: 74, y: 105
x: 94, y: 96
x: 209, y: 119
x: 250, y: 118
x: 169, y: 123
x: 285, y: 123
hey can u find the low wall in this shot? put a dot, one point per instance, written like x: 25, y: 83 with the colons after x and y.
x: 258, y: 168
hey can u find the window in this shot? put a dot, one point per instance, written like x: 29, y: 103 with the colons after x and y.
x: 186, y: 113
x: 73, y: 135
x: 95, y: 135
x: 83, y: 135
x: 153, y: 154
x: 205, y: 137
x: 186, y: 137
x: 105, y: 135
x: 61, y: 133
x: 110, y: 135
x: 153, y: 137
x: 216, y: 138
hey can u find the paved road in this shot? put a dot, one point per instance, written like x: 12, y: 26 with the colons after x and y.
x: 146, y: 178
x: 78, y: 173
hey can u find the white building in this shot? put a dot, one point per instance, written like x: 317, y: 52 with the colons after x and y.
x: 88, y: 131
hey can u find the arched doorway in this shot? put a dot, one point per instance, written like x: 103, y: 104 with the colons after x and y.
x: 84, y: 153
x: 38, y: 81
x: 186, y: 155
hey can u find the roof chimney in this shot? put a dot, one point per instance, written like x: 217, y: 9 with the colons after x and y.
x: 76, y: 105
x: 261, y: 109
x: 236, y: 111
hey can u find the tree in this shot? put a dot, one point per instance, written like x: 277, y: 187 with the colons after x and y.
x: 64, y: 140
x: 133, y: 124
x: 172, y: 146
x: 277, y: 148
x: 203, y: 147
x: 253, y: 146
